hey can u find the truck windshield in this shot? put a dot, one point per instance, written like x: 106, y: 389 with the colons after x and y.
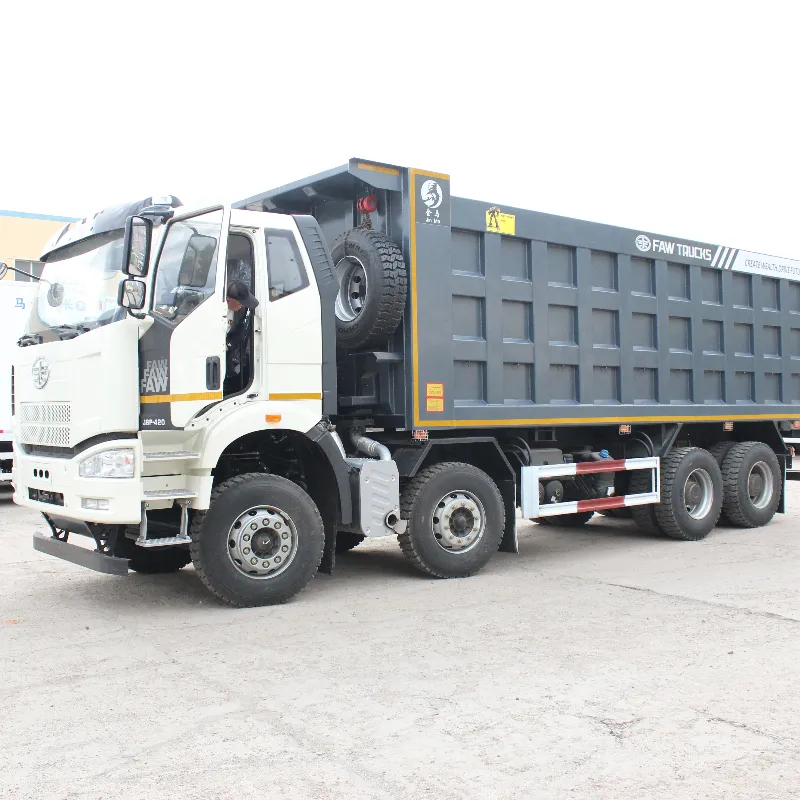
x: 79, y: 284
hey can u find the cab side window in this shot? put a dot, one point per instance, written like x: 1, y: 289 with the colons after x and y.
x: 187, y: 266
x: 284, y: 265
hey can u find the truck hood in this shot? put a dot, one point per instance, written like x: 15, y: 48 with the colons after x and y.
x: 69, y: 391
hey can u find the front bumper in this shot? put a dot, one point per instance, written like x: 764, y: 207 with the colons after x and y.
x: 59, y: 476
x: 91, y: 559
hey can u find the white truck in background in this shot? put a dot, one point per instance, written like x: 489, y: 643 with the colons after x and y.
x: 15, y: 305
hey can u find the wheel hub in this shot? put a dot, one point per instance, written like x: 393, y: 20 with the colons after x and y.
x: 760, y: 484
x: 262, y: 542
x: 698, y: 494
x: 458, y: 521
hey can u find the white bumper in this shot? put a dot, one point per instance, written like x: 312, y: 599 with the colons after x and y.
x: 60, y: 476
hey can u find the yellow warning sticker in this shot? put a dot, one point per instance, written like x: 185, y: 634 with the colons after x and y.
x: 498, y: 222
x: 435, y: 404
x: 435, y: 390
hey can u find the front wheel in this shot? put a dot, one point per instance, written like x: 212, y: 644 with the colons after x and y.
x: 455, y: 520
x: 259, y: 543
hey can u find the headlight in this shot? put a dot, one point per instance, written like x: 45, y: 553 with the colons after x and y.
x: 108, y: 464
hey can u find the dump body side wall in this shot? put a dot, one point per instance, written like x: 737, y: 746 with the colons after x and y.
x: 569, y: 322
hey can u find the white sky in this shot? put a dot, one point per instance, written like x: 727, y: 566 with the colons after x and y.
x: 677, y: 118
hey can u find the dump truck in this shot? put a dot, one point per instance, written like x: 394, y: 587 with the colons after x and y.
x: 418, y: 365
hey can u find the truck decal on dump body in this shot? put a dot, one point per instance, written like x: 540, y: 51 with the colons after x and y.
x: 402, y: 362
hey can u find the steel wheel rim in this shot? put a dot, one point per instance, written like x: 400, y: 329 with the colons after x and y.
x: 262, y: 542
x: 760, y: 484
x: 698, y: 494
x: 352, y: 294
x: 458, y: 521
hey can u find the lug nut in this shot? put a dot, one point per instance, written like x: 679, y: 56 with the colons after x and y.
x: 246, y: 550
x: 247, y: 537
x: 277, y: 526
x: 254, y: 561
x: 284, y: 549
x: 284, y: 536
x: 277, y: 559
x: 265, y: 564
x: 254, y: 526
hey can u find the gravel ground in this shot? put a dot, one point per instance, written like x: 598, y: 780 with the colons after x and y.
x: 599, y: 663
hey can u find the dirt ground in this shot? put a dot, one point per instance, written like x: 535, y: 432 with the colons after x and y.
x: 600, y: 663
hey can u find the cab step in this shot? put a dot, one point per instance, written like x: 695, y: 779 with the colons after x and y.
x: 177, y: 455
x: 164, y: 541
x: 170, y: 494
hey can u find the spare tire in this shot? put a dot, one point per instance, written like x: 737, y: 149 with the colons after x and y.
x: 373, y: 287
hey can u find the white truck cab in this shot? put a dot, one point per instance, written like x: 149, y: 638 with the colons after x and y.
x: 133, y: 401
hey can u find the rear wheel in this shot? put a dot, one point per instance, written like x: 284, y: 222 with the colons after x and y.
x: 455, y: 520
x: 691, y: 494
x: 644, y: 516
x: 752, y: 480
x: 259, y: 543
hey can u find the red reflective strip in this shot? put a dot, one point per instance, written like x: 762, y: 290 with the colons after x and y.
x: 600, y: 503
x: 609, y: 465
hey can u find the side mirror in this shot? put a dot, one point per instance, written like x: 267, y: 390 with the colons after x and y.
x: 136, y: 247
x: 131, y: 294
x: 3, y: 270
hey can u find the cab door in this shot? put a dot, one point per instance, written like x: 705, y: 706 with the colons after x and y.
x: 182, y: 354
x: 292, y: 318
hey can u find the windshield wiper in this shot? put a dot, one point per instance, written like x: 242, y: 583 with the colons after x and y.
x: 29, y: 339
x: 70, y: 331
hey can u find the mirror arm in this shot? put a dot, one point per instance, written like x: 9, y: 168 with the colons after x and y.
x: 20, y: 272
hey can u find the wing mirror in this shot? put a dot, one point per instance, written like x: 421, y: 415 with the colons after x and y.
x: 131, y: 294
x: 136, y: 246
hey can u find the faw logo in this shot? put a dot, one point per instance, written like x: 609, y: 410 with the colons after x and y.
x: 155, y: 377
x: 643, y: 242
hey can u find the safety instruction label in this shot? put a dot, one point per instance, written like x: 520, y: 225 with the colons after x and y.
x: 434, y: 400
x: 435, y: 390
x: 498, y: 222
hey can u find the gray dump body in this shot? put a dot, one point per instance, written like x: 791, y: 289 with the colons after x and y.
x: 518, y: 318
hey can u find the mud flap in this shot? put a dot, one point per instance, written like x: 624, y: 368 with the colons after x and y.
x: 508, y: 491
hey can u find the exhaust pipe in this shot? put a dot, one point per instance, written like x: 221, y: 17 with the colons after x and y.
x: 370, y: 447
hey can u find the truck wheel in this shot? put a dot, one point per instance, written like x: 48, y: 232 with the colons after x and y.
x: 455, y: 520
x: 577, y: 520
x: 373, y: 287
x: 151, y: 560
x: 751, y: 477
x: 719, y: 450
x: 691, y: 494
x: 644, y: 516
x: 347, y: 541
x: 259, y: 543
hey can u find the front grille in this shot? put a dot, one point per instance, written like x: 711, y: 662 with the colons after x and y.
x: 46, y: 496
x: 45, y: 424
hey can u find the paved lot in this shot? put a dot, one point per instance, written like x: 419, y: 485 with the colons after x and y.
x: 597, y: 664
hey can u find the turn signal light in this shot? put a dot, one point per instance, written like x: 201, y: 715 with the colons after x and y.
x: 272, y: 417
x: 727, y: 426
x: 796, y: 425
x: 624, y: 429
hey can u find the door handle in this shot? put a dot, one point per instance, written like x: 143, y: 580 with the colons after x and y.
x: 212, y: 372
